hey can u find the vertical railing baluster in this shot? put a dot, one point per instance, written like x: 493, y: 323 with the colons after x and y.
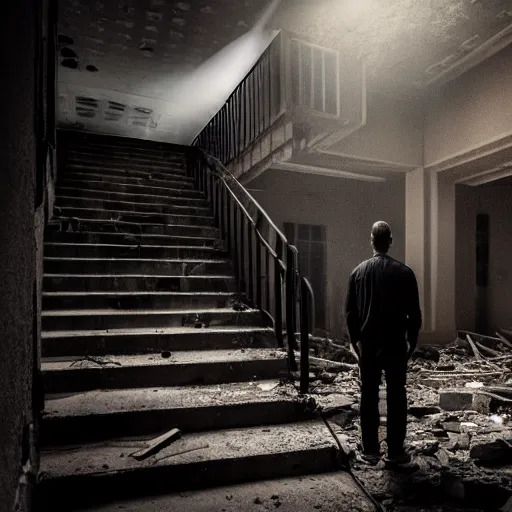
x: 267, y: 280
x: 290, y: 306
x: 305, y: 308
x: 260, y: 98
x: 243, y: 266
x: 250, y: 282
x: 229, y: 236
x: 222, y: 191
x: 259, y: 276
x: 270, y: 93
x: 253, y: 107
x: 245, y: 103
x: 278, y: 303
x: 236, y: 244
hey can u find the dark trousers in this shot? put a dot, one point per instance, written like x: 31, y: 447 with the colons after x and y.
x: 394, y: 366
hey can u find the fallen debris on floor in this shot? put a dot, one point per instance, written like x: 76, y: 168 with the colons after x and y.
x: 459, y: 428
x: 157, y: 444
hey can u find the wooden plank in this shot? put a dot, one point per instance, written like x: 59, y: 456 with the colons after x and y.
x: 504, y: 340
x: 478, y: 356
x: 157, y: 444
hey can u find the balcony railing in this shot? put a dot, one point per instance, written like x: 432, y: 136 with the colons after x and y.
x: 252, y: 108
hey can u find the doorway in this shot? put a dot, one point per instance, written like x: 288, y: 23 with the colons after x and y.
x: 310, y: 240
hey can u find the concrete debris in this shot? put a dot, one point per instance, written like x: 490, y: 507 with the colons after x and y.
x: 100, y: 361
x: 455, y: 400
x: 268, y: 386
x: 459, y: 431
x: 491, y: 448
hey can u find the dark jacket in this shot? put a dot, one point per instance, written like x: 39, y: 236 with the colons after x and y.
x: 382, y: 307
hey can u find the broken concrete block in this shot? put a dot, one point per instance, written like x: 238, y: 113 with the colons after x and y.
x: 468, y: 426
x: 419, y: 411
x: 443, y: 457
x: 455, y: 399
x: 482, y: 403
x: 490, y: 448
x: 451, y: 426
x: 462, y: 442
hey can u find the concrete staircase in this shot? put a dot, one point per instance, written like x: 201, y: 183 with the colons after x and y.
x: 143, y: 331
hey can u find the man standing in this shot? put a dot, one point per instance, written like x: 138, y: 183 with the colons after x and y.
x: 383, y: 318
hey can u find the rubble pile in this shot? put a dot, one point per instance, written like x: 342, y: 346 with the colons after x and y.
x: 459, y: 428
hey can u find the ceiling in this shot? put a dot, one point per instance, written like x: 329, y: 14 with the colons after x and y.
x: 404, y: 43
x: 160, y: 68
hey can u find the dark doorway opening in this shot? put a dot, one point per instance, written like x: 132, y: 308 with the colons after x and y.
x: 310, y: 241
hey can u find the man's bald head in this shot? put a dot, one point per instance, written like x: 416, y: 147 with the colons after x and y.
x: 381, y: 236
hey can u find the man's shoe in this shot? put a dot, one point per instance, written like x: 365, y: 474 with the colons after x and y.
x: 398, y: 458
x: 371, y: 458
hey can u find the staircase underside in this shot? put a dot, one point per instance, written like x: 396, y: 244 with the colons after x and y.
x: 144, y: 331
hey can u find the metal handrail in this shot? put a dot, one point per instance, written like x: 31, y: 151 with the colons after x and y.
x: 264, y: 266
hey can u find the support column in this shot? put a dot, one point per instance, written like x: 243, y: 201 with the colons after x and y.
x: 430, y: 249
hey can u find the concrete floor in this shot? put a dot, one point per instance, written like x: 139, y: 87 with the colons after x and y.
x: 328, y: 492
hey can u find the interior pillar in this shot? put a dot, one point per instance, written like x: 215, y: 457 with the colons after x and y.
x: 430, y: 249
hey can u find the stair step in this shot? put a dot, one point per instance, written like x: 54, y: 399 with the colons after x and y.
x: 197, y: 267
x: 126, y: 163
x: 138, y: 217
x: 73, y: 139
x: 131, y: 251
x: 90, y: 416
x: 334, y: 491
x: 123, y: 207
x: 143, y: 190
x: 105, y: 472
x: 101, y: 319
x: 86, y: 153
x: 178, y: 200
x: 188, y: 368
x: 126, y: 238
x: 130, y: 150
x: 156, y: 179
x: 105, y: 170
x: 149, y: 340
x: 79, y: 224
x: 134, y: 300
x: 138, y: 282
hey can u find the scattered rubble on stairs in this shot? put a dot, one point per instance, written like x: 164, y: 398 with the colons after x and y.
x: 459, y: 428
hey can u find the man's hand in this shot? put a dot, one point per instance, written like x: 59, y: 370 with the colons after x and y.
x: 410, y: 350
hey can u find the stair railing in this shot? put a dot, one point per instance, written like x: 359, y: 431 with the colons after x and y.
x: 265, y: 264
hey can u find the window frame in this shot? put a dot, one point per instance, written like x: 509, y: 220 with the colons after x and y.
x: 300, y: 93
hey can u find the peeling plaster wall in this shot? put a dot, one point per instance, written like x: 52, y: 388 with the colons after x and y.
x: 471, y: 110
x: 348, y: 209
x: 393, y: 132
x: 17, y: 256
x: 497, y: 203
